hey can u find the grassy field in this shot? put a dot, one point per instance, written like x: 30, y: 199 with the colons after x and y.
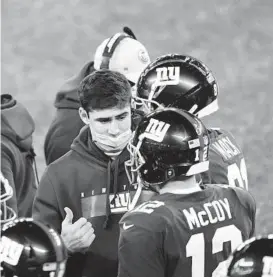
x: 45, y: 42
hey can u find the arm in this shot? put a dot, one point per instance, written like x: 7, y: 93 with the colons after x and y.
x: 217, y: 173
x: 45, y: 206
x: 140, y: 253
x: 249, y: 203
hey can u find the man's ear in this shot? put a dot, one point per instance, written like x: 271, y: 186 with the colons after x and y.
x: 83, y: 115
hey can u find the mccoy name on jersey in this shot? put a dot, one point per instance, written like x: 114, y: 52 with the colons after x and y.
x: 185, y: 235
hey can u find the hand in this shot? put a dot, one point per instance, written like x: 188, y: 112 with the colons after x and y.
x: 77, y: 236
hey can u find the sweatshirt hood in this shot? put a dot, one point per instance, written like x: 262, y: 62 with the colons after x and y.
x: 67, y: 96
x: 16, y: 122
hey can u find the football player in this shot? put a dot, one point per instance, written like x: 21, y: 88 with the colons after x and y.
x: 253, y: 258
x: 27, y: 248
x: 185, y: 229
x: 31, y: 249
x: 186, y: 83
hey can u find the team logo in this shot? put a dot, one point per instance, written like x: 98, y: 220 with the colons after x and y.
x: 156, y: 130
x: 119, y: 202
x: 167, y: 75
x: 143, y: 56
x: 10, y: 251
x: 126, y: 227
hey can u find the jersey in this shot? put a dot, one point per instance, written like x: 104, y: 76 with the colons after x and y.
x: 227, y: 163
x: 185, y: 235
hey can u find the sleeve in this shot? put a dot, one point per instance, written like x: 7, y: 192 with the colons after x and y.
x: 248, y: 201
x: 217, y: 169
x: 7, y: 171
x: 45, y: 206
x: 139, y: 253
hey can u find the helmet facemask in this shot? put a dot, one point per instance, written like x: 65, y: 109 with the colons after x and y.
x: 149, y: 105
x: 7, y: 213
x: 132, y: 167
x: 168, y: 143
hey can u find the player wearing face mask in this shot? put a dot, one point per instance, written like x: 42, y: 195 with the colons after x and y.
x: 89, y: 185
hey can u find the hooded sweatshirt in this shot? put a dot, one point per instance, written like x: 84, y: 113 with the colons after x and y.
x: 66, y: 123
x: 17, y: 154
x: 93, y: 186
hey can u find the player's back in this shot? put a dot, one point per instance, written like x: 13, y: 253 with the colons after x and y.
x: 196, y: 231
x: 227, y: 163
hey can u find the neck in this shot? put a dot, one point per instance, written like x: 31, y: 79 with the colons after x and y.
x: 187, y: 186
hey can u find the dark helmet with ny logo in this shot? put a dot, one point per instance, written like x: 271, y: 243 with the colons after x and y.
x: 177, y: 81
x: 31, y: 249
x: 167, y: 143
x: 253, y: 258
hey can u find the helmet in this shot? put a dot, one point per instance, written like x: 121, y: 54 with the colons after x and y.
x: 30, y: 248
x: 254, y: 258
x: 7, y: 213
x: 123, y: 53
x: 167, y: 143
x: 177, y: 81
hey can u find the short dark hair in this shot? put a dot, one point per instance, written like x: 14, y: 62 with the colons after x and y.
x: 104, y: 89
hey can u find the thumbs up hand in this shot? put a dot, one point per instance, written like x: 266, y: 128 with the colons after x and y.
x: 77, y: 236
x: 69, y: 216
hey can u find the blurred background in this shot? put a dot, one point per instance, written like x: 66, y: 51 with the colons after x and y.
x: 46, y: 42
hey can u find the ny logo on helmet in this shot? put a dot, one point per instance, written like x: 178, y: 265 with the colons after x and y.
x: 167, y: 75
x: 10, y: 251
x: 156, y: 130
